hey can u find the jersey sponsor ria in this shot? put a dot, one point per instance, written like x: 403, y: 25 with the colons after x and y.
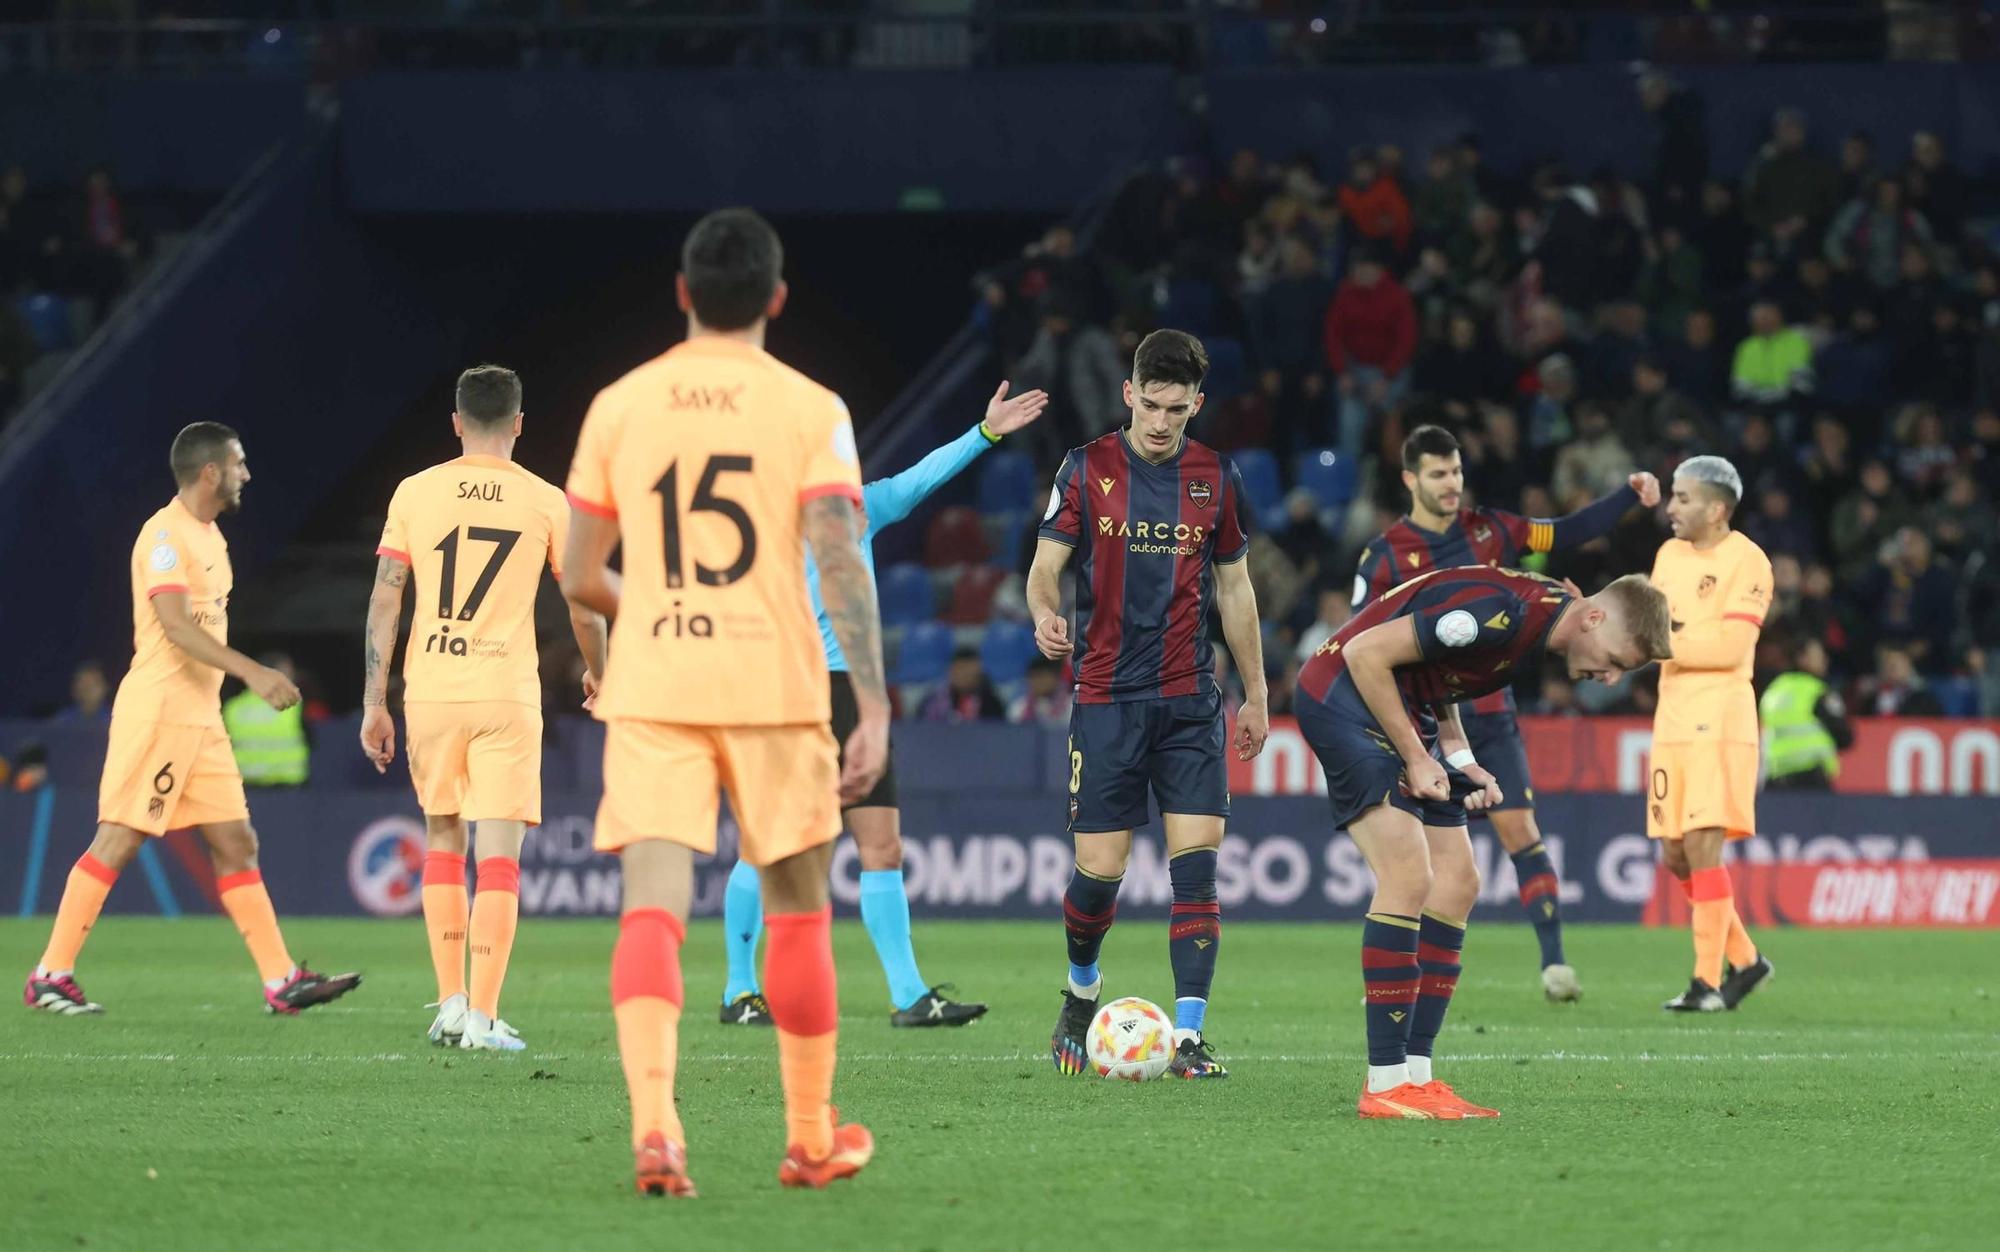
x: 1474, y: 625
x: 475, y: 532
x: 1729, y: 582
x: 1148, y: 538
x: 1491, y: 537
x: 704, y: 456
x: 176, y: 551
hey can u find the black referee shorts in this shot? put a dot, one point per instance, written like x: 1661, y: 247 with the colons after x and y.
x: 846, y: 716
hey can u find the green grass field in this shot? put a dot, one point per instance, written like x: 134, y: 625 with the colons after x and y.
x: 1851, y: 1104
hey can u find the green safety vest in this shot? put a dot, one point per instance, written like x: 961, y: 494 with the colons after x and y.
x: 1794, y: 740
x: 270, y: 746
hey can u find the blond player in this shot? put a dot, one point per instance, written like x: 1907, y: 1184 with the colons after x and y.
x: 1703, y: 784
x: 169, y: 765
x: 472, y: 535
x: 715, y: 466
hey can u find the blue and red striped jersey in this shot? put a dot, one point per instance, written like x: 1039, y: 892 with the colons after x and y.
x: 1474, y: 625
x: 1491, y: 537
x: 1148, y: 538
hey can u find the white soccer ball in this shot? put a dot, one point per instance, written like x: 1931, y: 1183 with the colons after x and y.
x: 1132, y: 1039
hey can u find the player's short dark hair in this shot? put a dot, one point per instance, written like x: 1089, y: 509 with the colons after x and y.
x: 732, y: 262
x: 199, y: 445
x: 1427, y: 441
x: 1643, y: 609
x: 488, y: 395
x: 1170, y: 356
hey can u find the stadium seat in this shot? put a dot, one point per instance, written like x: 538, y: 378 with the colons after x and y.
x: 1958, y: 696
x: 48, y: 321
x: 1228, y: 370
x: 1260, y: 479
x: 955, y: 537
x: 925, y: 654
x: 1006, y: 651
x: 972, y: 594
x: 1006, y: 482
x: 1193, y: 305
x: 1331, y: 477
x: 905, y: 594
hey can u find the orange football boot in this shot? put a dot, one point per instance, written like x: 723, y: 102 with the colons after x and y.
x: 659, y: 1167
x: 1404, y: 1101
x: 1447, y: 1105
x: 853, y: 1146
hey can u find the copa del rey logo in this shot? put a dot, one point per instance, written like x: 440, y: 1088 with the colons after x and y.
x: 1201, y: 493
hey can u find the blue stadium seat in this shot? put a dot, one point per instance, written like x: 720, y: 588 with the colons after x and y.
x: 905, y: 593
x: 1006, y: 651
x: 1260, y: 479
x: 48, y: 321
x: 1228, y: 370
x: 1006, y: 482
x: 1959, y: 696
x: 1193, y: 305
x: 1332, y: 478
x: 925, y: 654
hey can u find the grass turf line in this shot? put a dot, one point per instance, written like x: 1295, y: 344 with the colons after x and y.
x: 1849, y: 1104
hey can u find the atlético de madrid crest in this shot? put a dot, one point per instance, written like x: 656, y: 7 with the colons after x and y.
x: 1201, y: 493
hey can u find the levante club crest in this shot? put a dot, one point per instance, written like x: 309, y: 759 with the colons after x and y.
x: 1201, y: 493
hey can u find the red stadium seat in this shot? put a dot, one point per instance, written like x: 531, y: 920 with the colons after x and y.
x: 972, y: 595
x: 955, y: 537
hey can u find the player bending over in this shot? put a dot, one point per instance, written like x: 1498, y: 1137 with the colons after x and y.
x: 1703, y: 788
x: 169, y: 765
x: 875, y: 820
x: 472, y: 535
x: 715, y: 465
x: 1438, y: 533
x: 1379, y: 704
x: 1155, y: 520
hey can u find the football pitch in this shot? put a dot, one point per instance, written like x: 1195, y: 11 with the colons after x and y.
x: 1852, y: 1103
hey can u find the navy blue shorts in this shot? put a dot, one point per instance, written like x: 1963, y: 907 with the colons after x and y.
x: 1495, y: 738
x: 1116, y: 751
x: 1363, y: 769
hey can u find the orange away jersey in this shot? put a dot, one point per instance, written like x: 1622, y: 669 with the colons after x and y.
x: 704, y: 456
x: 1729, y: 582
x: 475, y: 533
x: 176, y: 551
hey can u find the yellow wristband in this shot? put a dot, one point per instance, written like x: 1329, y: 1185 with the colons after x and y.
x: 987, y: 431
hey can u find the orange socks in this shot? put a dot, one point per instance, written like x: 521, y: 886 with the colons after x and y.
x: 83, y: 899
x: 496, y: 912
x: 646, y: 1000
x: 799, y: 983
x: 249, y: 906
x: 444, y: 919
x: 1714, y: 907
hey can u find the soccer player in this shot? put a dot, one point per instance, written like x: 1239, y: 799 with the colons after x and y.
x: 875, y: 820
x: 1379, y: 704
x: 1702, y: 791
x: 1157, y: 522
x: 1438, y: 533
x: 471, y: 535
x: 169, y: 765
x: 715, y: 466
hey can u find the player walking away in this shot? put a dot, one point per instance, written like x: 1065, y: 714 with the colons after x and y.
x: 472, y: 536
x: 1158, y: 521
x: 1704, y: 775
x: 1379, y: 704
x: 714, y: 465
x: 1439, y: 533
x: 169, y: 765
x: 875, y: 820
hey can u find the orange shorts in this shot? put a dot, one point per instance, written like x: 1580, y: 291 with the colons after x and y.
x: 480, y: 760
x: 1694, y: 786
x: 663, y: 780
x: 160, y: 777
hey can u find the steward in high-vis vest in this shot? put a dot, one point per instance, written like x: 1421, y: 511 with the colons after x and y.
x: 271, y: 746
x: 1805, y: 724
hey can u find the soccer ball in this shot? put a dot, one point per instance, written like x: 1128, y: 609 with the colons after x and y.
x: 1132, y: 1039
